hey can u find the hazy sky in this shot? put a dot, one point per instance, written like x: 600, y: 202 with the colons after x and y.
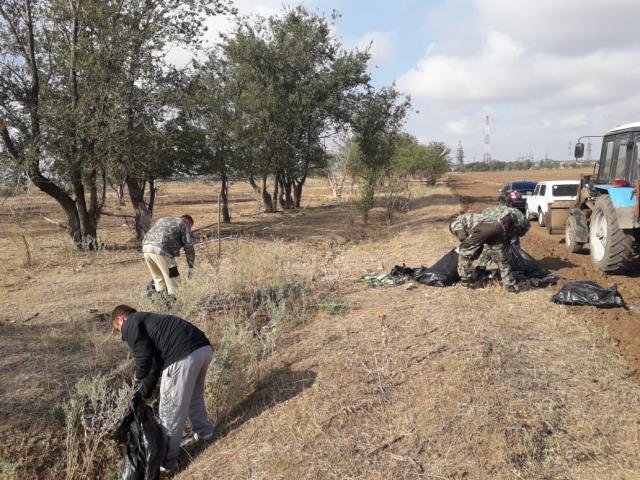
x: 546, y: 71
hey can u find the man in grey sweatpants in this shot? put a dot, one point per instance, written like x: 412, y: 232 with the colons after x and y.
x: 171, y: 348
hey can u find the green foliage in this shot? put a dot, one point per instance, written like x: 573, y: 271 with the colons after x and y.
x: 497, y: 165
x: 83, y: 94
x: 414, y: 159
x: 294, y: 82
x: 335, y: 305
x: 376, y: 121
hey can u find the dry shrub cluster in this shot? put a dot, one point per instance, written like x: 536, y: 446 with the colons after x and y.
x: 8, y: 470
x: 244, y: 302
x: 91, y: 412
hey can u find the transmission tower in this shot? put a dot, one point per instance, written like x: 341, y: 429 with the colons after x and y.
x: 460, y: 157
x: 487, y: 140
x: 588, y: 149
x: 570, y: 151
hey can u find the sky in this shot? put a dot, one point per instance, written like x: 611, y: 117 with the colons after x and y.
x: 545, y: 71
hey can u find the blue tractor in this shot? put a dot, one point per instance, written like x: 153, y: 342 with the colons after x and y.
x: 606, y: 214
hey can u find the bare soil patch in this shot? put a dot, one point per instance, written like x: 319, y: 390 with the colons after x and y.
x: 478, y: 190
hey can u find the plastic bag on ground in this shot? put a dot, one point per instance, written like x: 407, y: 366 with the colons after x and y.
x: 524, y: 263
x: 443, y: 273
x: 145, y: 442
x: 588, y: 293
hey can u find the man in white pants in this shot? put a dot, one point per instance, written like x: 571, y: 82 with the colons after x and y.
x: 179, y: 352
x: 161, y: 245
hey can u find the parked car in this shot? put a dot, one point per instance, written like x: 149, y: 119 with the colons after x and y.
x: 546, y: 193
x: 514, y: 194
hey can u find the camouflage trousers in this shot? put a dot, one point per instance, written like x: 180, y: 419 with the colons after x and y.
x: 474, y: 247
x: 485, y: 253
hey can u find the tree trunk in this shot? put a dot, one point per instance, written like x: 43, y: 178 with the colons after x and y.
x: 280, y: 196
x: 288, y: 198
x: 276, y: 193
x: 224, y: 196
x: 143, y: 210
x: 119, y: 189
x: 297, y: 191
x: 267, y: 201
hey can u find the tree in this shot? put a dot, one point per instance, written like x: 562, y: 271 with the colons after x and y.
x: 48, y: 111
x: 296, y: 81
x: 377, y: 118
x: 414, y: 159
x: 78, y: 96
x: 340, y: 164
x: 144, y: 152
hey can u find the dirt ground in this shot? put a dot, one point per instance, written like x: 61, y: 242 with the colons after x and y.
x: 478, y: 190
x: 419, y: 383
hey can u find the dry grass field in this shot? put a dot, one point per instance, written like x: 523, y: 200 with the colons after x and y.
x: 349, y: 381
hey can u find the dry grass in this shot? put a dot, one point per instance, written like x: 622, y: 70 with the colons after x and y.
x: 437, y: 383
x: 317, y: 376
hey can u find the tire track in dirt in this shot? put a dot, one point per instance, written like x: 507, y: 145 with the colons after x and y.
x: 476, y: 192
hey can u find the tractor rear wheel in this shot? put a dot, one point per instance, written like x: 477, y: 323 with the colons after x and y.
x: 570, y: 237
x: 611, y: 248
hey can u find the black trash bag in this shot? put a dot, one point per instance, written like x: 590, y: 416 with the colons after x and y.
x: 145, y: 441
x: 525, y: 270
x: 588, y: 293
x: 402, y: 271
x: 443, y: 273
x: 524, y: 263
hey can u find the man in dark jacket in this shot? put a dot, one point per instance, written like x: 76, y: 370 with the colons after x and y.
x: 172, y: 348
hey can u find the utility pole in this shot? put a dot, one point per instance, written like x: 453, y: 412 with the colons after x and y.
x: 460, y: 157
x: 487, y: 140
x: 588, y: 150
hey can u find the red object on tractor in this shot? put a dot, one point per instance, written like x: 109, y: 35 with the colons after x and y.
x: 619, y: 182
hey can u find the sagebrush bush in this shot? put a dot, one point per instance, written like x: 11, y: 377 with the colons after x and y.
x: 93, y: 408
x: 233, y: 372
x: 242, y: 302
x: 8, y: 470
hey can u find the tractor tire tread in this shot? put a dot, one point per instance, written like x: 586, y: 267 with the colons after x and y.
x: 620, y: 245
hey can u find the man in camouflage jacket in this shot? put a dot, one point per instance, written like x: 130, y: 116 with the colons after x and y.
x: 478, y: 233
x: 520, y: 223
x: 520, y: 227
x: 161, y: 245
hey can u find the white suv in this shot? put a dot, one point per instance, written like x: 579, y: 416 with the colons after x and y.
x: 548, y: 192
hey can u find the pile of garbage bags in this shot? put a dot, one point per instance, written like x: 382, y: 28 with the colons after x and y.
x: 444, y: 272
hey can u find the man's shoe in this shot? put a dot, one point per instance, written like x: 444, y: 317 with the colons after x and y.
x: 167, y: 470
x: 511, y: 289
x: 470, y: 285
x: 206, y: 437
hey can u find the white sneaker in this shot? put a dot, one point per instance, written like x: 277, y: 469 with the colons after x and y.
x: 205, y: 437
x: 167, y: 470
